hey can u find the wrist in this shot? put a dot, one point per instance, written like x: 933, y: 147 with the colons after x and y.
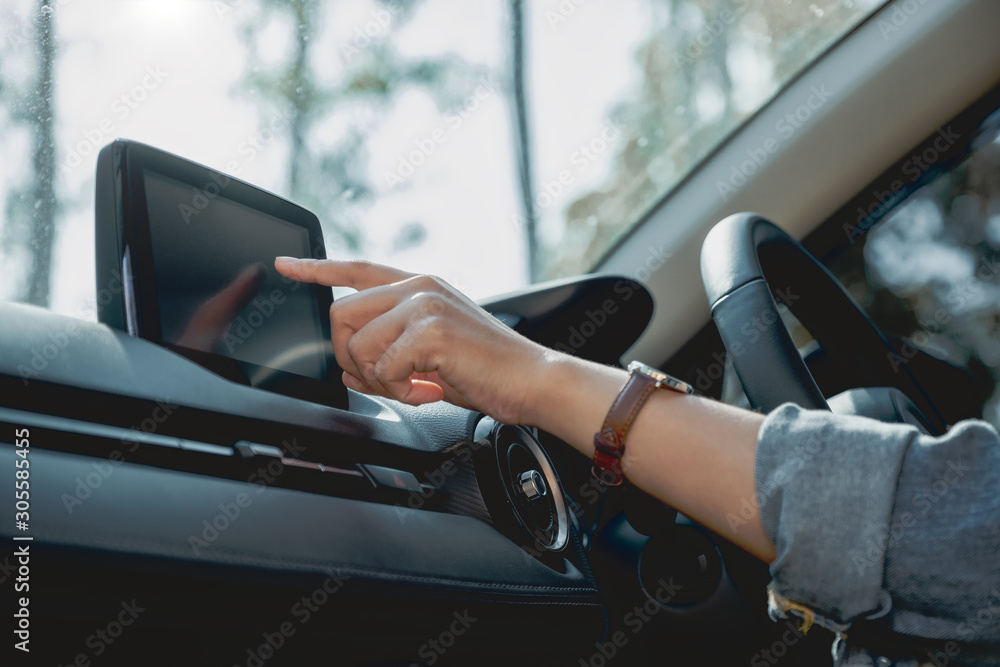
x: 570, y: 397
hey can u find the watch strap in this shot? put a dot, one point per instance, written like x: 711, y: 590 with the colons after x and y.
x: 609, y: 442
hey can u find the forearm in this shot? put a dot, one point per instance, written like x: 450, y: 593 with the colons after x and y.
x: 416, y: 339
x: 693, y: 453
x: 827, y: 485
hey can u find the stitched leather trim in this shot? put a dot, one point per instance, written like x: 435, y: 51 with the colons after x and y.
x: 222, y: 554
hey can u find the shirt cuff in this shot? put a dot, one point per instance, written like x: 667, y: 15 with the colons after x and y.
x: 825, y: 487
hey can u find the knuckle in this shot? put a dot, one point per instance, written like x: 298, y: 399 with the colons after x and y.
x: 432, y: 326
x: 391, y: 353
x: 430, y: 283
x: 353, y: 347
x: 369, y: 373
x: 436, y: 305
x: 429, y: 303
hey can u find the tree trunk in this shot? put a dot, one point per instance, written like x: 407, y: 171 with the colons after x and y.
x: 43, y: 196
x: 524, y: 141
x: 299, y: 88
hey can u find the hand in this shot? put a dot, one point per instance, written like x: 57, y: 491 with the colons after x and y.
x: 418, y: 340
x: 212, y: 319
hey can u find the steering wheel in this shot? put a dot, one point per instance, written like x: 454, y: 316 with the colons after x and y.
x: 736, y: 255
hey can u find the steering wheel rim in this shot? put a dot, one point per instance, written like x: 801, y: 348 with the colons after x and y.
x: 735, y: 256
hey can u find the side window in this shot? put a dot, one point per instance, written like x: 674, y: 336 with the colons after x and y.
x: 928, y: 272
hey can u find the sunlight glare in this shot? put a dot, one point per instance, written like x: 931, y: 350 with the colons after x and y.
x: 167, y: 12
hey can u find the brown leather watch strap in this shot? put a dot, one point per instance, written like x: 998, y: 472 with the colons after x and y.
x: 609, y: 442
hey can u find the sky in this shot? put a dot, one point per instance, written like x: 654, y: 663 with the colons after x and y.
x: 172, y: 73
x: 166, y: 72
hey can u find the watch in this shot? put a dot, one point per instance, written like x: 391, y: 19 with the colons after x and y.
x: 609, y: 442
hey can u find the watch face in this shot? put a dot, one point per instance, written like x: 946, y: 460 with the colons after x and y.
x: 639, y: 367
x: 662, y: 379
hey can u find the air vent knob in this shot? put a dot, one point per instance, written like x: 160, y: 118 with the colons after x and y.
x: 532, y: 485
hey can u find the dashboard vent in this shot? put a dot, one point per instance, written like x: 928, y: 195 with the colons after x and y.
x: 521, y: 488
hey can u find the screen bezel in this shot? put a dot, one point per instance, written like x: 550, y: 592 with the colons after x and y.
x: 136, y: 244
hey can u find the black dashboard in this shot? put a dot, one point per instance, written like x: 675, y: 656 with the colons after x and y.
x: 230, y: 513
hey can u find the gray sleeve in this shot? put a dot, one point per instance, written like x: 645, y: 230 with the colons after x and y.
x: 855, y: 506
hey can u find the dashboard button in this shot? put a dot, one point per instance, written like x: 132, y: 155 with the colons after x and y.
x: 391, y: 478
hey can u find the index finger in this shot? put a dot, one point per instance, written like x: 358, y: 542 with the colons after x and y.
x: 357, y: 274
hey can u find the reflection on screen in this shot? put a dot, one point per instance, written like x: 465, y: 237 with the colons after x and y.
x: 216, y: 284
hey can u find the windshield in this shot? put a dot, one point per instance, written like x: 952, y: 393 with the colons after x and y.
x: 493, y: 143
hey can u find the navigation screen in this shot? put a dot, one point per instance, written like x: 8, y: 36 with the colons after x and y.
x: 217, y: 290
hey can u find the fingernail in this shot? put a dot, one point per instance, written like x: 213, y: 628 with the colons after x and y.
x: 285, y: 260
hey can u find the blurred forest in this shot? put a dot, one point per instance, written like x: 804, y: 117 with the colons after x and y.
x: 30, y: 207
x: 929, y: 272
x: 702, y: 67
x: 330, y: 179
x: 707, y: 65
x: 695, y: 88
